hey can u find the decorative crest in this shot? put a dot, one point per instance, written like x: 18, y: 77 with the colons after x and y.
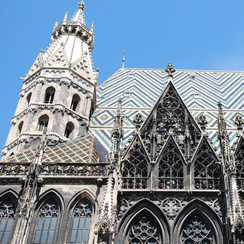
x: 170, y: 70
x: 202, y: 122
x: 138, y: 121
x: 82, y: 5
x: 239, y: 122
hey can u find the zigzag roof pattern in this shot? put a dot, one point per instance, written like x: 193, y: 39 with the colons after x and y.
x: 140, y: 89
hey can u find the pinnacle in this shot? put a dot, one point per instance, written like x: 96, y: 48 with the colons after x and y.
x: 79, y: 15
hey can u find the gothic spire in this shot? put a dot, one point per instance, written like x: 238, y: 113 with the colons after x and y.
x: 117, y: 132
x: 72, y: 46
x: 79, y: 15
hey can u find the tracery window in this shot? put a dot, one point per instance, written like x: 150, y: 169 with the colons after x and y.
x: 239, y: 231
x: 49, y: 95
x: 81, y: 223
x: 135, y: 169
x: 7, y: 212
x: 197, y: 232
x: 240, y: 166
x: 206, y: 171
x: 48, y: 215
x: 170, y: 169
x: 144, y: 231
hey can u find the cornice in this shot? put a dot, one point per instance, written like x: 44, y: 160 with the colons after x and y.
x: 55, y: 108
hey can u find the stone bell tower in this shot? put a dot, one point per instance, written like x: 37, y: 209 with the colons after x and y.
x: 59, y: 91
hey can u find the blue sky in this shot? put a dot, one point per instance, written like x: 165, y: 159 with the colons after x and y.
x: 192, y: 34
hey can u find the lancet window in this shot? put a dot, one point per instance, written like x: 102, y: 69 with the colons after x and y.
x: 81, y: 222
x: 48, y: 215
x: 28, y: 98
x: 20, y: 128
x: 135, y: 169
x: 170, y: 172
x: 196, y: 231
x: 144, y: 231
x: 7, y: 212
x: 43, y: 123
x: 49, y: 95
x: 206, y: 171
x: 75, y: 101
x: 68, y: 130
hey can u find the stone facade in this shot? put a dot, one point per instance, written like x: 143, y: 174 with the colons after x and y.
x: 168, y: 185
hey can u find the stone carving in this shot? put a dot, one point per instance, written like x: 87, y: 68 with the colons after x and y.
x: 197, y: 231
x: 7, y: 209
x: 171, y: 207
x: 58, y: 169
x: 206, y: 170
x: 135, y: 168
x: 144, y: 231
x: 124, y: 206
x: 170, y: 168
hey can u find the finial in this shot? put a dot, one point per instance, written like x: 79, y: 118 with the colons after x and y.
x: 202, y: 122
x: 123, y: 62
x: 65, y: 16
x: 82, y: 5
x: 239, y: 123
x: 170, y: 70
x: 41, y: 50
x: 138, y: 121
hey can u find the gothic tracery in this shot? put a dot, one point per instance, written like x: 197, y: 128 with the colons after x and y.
x: 144, y: 231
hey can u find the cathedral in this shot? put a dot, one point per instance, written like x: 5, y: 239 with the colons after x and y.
x: 151, y: 156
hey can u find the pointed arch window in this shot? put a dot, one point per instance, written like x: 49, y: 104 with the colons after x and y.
x: 144, y: 230
x: 20, y: 128
x: 81, y: 222
x: 75, y: 101
x: 48, y: 215
x: 239, y: 232
x: 49, y: 95
x: 206, y: 171
x: 68, y: 130
x: 239, y: 158
x: 135, y: 169
x: 28, y: 98
x: 43, y: 122
x: 196, y: 231
x: 7, y: 212
x: 170, y: 173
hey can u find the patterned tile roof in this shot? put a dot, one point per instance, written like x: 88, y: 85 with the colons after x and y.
x: 85, y: 149
x: 140, y: 89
